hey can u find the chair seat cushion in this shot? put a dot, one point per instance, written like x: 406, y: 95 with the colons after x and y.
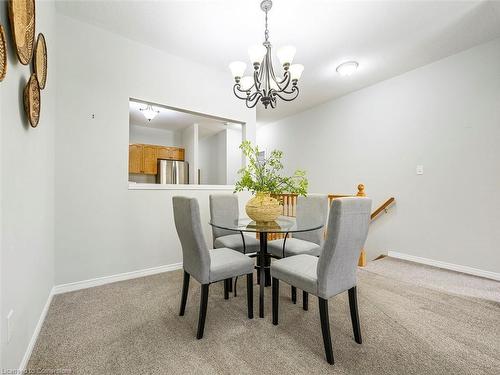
x: 299, y: 271
x: 293, y: 246
x: 234, y: 241
x: 227, y: 263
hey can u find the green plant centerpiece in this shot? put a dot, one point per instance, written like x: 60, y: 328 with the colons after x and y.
x: 262, y: 176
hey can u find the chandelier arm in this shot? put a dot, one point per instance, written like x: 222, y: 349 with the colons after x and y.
x: 245, y: 91
x: 253, y: 99
x: 286, y: 77
x: 256, y: 79
x: 295, y: 91
x: 284, y: 83
x: 237, y: 87
x: 273, y: 77
x: 253, y: 95
x: 292, y: 88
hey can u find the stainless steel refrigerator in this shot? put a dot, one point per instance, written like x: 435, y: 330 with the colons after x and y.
x: 172, y: 172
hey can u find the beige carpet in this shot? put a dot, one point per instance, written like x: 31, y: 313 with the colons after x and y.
x: 133, y: 327
x: 436, y: 278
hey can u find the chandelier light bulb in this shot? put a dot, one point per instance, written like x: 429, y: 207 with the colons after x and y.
x: 286, y: 54
x: 149, y: 112
x: 257, y: 53
x: 296, y: 71
x: 347, y: 68
x: 237, y: 69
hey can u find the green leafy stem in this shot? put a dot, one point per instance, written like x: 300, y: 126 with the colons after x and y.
x: 263, y: 174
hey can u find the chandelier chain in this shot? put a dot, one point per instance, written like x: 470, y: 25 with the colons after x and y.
x: 266, y: 33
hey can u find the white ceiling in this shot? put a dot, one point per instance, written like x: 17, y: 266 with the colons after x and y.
x: 387, y: 38
x: 172, y: 120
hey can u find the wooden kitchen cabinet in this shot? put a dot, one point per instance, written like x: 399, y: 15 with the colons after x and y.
x: 165, y: 153
x: 149, y: 159
x: 178, y: 154
x: 135, y: 157
x: 144, y: 158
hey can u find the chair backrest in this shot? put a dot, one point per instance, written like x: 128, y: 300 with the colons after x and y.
x: 311, y: 210
x: 195, y: 255
x: 347, y: 232
x: 223, y: 208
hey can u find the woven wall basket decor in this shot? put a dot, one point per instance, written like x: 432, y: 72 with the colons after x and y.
x: 32, y: 100
x: 40, y: 61
x: 3, y: 54
x: 22, y: 22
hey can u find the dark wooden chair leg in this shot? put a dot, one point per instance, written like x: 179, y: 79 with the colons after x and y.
x: 185, y: 289
x: 230, y: 286
x: 305, y: 300
x: 325, y: 329
x: 353, y: 305
x: 294, y: 294
x: 249, y: 295
x: 203, y: 310
x: 276, y: 297
x: 235, y: 281
x: 226, y: 288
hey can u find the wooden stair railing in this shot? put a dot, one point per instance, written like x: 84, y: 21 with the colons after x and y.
x: 289, y: 202
x: 382, y: 208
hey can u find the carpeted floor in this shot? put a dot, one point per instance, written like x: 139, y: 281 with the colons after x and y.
x: 436, y: 278
x: 133, y: 327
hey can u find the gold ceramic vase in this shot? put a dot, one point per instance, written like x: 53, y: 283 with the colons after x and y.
x: 263, y: 208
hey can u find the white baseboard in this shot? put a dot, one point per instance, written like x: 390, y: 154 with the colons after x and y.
x: 36, y: 332
x: 84, y: 284
x: 445, y: 265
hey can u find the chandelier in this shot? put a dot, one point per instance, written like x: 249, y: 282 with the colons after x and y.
x: 264, y: 85
x: 149, y: 112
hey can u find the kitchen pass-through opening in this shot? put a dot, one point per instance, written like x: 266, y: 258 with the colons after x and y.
x: 172, y: 146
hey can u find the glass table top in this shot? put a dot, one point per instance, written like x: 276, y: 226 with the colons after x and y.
x: 282, y: 224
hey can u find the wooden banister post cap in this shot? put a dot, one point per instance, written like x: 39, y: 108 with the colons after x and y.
x: 361, y: 191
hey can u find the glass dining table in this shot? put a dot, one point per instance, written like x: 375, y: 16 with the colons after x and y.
x: 283, y: 224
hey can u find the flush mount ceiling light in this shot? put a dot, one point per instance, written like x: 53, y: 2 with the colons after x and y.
x: 264, y: 85
x: 149, y: 112
x: 347, y: 68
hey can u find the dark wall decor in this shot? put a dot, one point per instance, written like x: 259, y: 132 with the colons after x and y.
x: 32, y: 100
x: 22, y: 22
x: 40, y: 61
x: 3, y: 54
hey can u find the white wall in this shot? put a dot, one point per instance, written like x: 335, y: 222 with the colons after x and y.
x: 102, y: 228
x: 154, y: 136
x: 220, y: 156
x: 27, y: 195
x: 190, y: 144
x: 233, y: 153
x: 209, y: 162
x: 444, y: 116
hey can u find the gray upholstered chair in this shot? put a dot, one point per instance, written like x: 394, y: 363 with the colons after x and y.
x: 334, y: 271
x: 206, y: 266
x: 311, y: 209
x: 224, y: 208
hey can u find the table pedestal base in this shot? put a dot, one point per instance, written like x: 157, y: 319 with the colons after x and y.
x: 263, y: 271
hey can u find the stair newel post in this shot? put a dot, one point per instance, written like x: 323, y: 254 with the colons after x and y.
x: 362, y: 256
